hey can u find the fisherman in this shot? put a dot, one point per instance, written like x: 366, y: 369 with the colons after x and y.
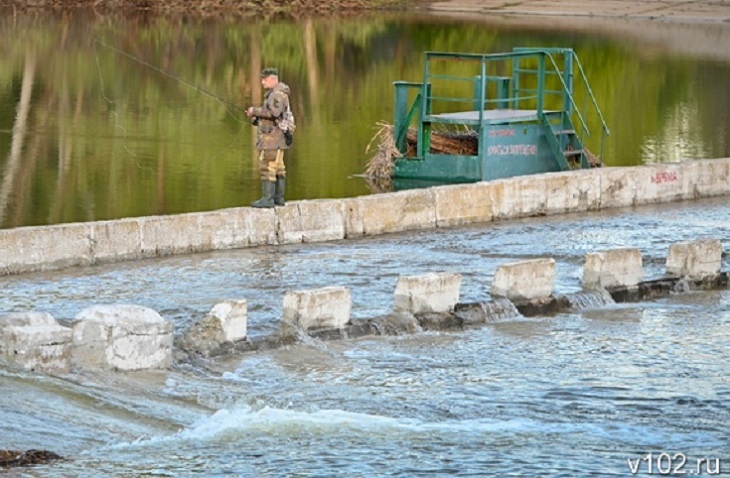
x: 271, y: 140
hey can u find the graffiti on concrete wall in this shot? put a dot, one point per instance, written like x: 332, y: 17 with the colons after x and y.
x: 664, y: 177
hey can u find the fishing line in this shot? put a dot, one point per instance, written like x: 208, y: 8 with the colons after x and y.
x: 170, y: 75
x: 117, y: 125
x: 226, y: 103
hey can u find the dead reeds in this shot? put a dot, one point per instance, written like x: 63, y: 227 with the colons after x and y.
x: 380, y: 164
x: 379, y: 169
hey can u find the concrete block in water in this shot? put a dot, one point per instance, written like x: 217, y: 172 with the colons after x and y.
x: 393, y: 212
x: 573, y: 191
x: 194, y: 232
x: 520, y: 196
x: 695, y: 259
x: 463, y: 204
x: 311, y: 221
x: 44, y: 248
x: 614, y: 268
x: 232, y: 315
x: 618, y: 186
x: 259, y: 225
x: 318, y: 308
x: 223, y: 229
x: 353, y: 217
x: 549, y: 193
x: 165, y: 235
x: 121, y: 337
x: 35, y: 341
x: 113, y: 241
x: 226, y: 322
x: 663, y: 182
x: 435, y: 292
x: 525, y: 280
x: 708, y: 177
x: 206, y: 231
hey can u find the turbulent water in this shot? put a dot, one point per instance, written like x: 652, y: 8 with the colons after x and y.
x: 593, y: 392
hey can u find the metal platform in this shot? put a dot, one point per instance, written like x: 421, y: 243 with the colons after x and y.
x: 500, y: 116
x: 525, y: 123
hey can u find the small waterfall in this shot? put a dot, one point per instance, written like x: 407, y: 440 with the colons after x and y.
x: 288, y: 334
x: 475, y: 313
x: 681, y: 287
x: 593, y: 299
x: 499, y: 309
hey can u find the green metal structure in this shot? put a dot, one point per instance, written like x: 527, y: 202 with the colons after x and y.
x: 520, y: 108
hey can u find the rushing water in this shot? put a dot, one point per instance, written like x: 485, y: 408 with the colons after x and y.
x: 100, y: 116
x: 576, y: 394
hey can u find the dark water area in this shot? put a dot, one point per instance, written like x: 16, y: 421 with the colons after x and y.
x: 103, y: 117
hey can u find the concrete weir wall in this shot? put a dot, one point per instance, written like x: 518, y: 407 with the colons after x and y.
x: 38, y: 248
x: 128, y: 337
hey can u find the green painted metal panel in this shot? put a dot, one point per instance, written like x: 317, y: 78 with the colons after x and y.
x: 439, y: 167
x: 515, y: 150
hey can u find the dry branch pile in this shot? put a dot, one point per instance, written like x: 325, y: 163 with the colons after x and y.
x: 442, y: 142
x: 379, y: 170
x: 381, y: 163
x: 593, y: 160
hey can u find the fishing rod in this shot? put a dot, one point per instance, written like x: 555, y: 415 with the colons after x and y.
x: 177, y: 78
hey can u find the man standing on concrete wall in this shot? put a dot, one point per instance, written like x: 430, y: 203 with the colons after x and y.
x: 271, y: 140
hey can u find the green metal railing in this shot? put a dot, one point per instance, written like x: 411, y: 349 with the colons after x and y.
x: 402, y: 119
x: 478, y: 96
x: 525, y: 87
x: 566, y: 77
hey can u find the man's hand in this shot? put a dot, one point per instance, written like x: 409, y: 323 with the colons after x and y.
x: 249, y: 111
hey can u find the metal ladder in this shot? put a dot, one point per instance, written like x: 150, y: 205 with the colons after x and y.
x: 565, y: 141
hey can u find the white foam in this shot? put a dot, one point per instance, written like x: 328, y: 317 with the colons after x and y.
x: 274, y: 420
x: 228, y: 425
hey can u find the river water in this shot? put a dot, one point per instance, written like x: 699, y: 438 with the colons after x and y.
x: 592, y: 392
x: 110, y: 116
x: 87, y: 133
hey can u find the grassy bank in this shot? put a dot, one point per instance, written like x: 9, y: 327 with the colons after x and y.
x: 213, y: 6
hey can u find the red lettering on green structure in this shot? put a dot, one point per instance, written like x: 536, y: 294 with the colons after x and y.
x: 502, y: 132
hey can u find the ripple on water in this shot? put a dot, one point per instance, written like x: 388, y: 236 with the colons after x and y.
x: 599, y: 384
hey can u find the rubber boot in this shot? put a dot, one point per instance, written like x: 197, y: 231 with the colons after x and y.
x: 267, y: 195
x: 280, y: 189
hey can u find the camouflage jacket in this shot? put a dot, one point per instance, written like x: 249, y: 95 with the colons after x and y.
x: 267, y: 116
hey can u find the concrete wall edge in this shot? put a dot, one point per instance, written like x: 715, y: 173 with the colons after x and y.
x: 61, y: 246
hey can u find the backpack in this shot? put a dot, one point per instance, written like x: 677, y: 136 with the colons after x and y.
x: 287, y: 124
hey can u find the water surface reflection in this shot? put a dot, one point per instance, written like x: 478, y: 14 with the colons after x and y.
x: 91, y: 129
